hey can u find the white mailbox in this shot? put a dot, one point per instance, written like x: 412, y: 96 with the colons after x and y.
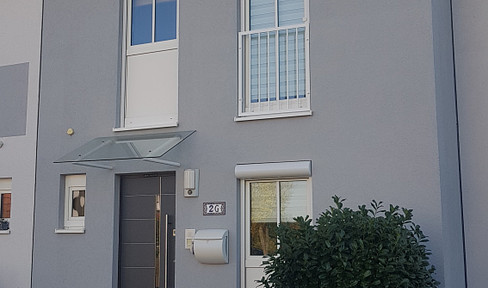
x: 210, y: 246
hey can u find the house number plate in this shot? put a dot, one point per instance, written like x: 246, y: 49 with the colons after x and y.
x: 213, y: 208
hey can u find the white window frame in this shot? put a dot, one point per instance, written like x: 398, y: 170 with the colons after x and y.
x: 266, y: 172
x: 296, y: 107
x: 6, y: 188
x: 72, y: 224
x: 139, y: 50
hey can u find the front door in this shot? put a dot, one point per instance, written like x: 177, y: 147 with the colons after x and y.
x: 146, y: 239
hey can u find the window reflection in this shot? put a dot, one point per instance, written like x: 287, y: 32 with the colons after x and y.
x: 291, y: 196
x: 293, y: 200
x: 141, y: 22
x: 144, y: 30
x: 263, y: 217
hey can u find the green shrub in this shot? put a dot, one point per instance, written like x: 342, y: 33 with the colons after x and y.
x: 347, y: 248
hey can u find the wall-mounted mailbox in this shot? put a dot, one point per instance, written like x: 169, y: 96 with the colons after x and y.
x: 210, y: 246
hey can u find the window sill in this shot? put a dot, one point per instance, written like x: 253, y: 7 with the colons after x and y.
x: 251, y: 117
x: 122, y: 129
x: 4, y: 232
x: 70, y: 231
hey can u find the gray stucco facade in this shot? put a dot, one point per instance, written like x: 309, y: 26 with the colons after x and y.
x: 471, y: 62
x: 384, y: 127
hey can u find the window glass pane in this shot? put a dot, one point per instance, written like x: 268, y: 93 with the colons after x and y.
x: 141, y: 28
x: 263, y: 66
x: 272, y: 66
x: 283, y: 63
x: 291, y: 63
x: 165, y: 20
x: 78, y: 203
x: 262, y: 14
x: 301, y: 62
x: 254, y: 75
x: 5, y: 208
x: 293, y: 200
x: 263, y: 217
x: 291, y: 12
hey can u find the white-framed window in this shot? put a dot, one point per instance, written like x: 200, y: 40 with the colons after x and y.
x: 274, y: 78
x: 5, y: 203
x: 271, y: 193
x: 74, y: 203
x: 149, y: 92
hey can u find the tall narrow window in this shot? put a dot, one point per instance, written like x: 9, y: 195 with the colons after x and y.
x: 5, y: 203
x: 150, y: 86
x: 273, y: 49
x: 74, y: 202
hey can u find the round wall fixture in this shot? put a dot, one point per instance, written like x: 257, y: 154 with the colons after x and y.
x: 70, y: 131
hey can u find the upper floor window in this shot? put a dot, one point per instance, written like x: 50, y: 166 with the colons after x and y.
x: 273, y: 60
x: 5, y: 202
x: 149, y: 97
x: 152, y: 21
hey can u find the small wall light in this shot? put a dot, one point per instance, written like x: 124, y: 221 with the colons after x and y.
x: 70, y: 131
x: 191, y: 178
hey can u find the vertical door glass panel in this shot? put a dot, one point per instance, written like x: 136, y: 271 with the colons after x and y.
x: 293, y: 200
x: 141, y: 29
x: 78, y: 203
x: 263, y: 217
x: 5, y: 208
x: 157, y: 250
x: 165, y: 20
x: 262, y: 14
x: 290, y: 12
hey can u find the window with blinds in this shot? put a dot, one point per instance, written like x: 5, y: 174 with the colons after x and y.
x: 273, y: 49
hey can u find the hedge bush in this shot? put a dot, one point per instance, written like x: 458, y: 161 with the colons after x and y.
x: 348, y: 248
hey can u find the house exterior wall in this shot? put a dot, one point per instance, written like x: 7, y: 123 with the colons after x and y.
x: 377, y: 129
x: 470, y: 46
x: 20, y: 34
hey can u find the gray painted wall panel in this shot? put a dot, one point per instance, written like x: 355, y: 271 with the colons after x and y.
x: 14, y: 80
